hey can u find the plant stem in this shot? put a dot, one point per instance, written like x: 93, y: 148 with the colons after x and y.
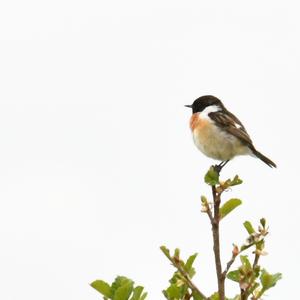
x: 245, y: 293
x: 256, y: 259
x: 192, y: 286
x: 186, y: 276
x: 229, y: 264
x: 232, y: 260
x: 216, y: 241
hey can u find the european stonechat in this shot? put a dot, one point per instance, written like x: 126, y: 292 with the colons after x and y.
x: 219, y: 134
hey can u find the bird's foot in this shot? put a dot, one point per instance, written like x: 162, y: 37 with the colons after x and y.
x: 218, y: 168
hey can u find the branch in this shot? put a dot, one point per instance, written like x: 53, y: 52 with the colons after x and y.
x: 256, y: 259
x: 245, y: 293
x: 214, y: 217
x: 189, y: 282
x: 235, y: 253
x: 216, y: 241
x: 176, y: 263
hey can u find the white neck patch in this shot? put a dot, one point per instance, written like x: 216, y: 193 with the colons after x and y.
x: 208, y: 110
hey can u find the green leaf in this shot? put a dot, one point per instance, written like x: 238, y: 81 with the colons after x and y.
x: 249, y: 227
x: 175, y: 277
x: 102, y: 287
x: 144, y: 296
x: 137, y: 292
x: 256, y: 271
x: 244, y: 247
x: 173, y: 292
x: 211, y: 177
x: 189, y: 265
x: 263, y: 222
x: 254, y: 286
x: 229, y: 206
x: 196, y: 296
x: 124, y: 291
x: 268, y: 280
x: 246, y: 263
x: 204, y: 199
x: 119, y: 282
x: 234, y: 275
x: 177, y: 253
x: 214, y: 296
x: 236, y: 181
x: 165, y: 251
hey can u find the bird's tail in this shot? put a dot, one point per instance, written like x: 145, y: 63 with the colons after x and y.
x: 264, y: 158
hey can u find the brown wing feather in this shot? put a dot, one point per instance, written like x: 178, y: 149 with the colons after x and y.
x: 231, y: 124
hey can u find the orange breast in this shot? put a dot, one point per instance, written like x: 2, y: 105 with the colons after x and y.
x: 197, y: 122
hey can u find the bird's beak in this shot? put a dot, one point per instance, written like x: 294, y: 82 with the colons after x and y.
x: 190, y: 106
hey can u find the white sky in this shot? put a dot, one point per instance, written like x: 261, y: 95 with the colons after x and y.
x: 97, y: 164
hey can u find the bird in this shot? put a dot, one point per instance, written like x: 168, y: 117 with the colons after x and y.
x: 219, y: 134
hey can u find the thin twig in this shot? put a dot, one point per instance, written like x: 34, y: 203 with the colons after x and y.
x: 228, y: 265
x: 256, y: 259
x: 209, y: 213
x: 245, y: 293
x: 235, y: 254
x: 189, y: 282
x: 188, y: 296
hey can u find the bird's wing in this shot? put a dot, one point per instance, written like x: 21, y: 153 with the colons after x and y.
x: 232, y: 125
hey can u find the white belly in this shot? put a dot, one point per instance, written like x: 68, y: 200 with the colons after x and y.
x: 218, y: 144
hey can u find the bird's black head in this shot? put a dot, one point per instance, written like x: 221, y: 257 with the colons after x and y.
x: 204, y: 101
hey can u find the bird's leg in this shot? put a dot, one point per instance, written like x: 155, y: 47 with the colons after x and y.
x: 224, y: 163
x: 218, y: 168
